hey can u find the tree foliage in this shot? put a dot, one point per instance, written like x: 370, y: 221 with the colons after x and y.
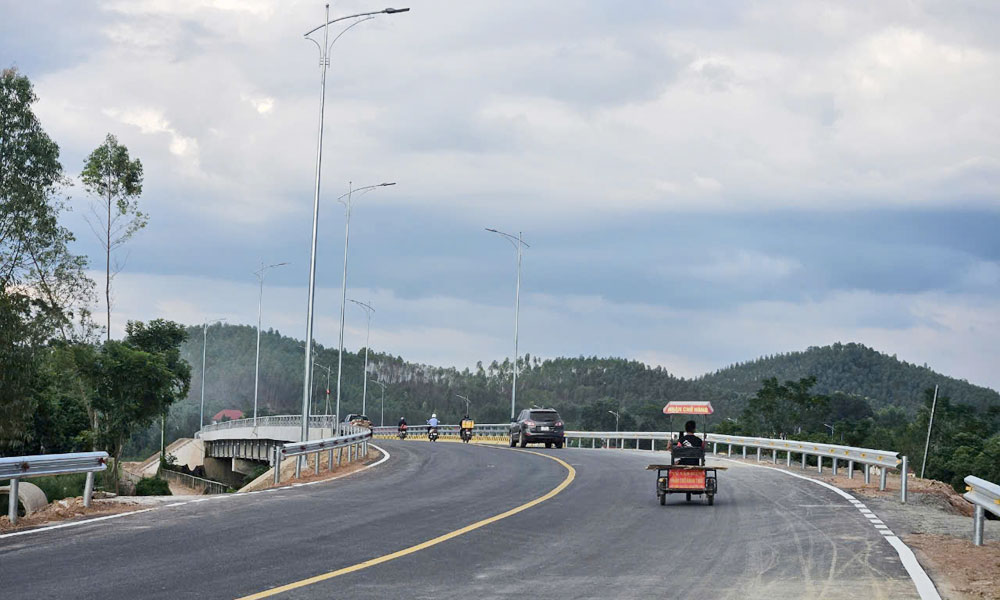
x: 114, y: 180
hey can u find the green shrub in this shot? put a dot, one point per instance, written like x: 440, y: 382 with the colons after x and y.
x: 152, y: 486
x: 57, y: 487
x: 257, y: 472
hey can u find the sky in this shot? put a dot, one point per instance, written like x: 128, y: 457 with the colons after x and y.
x: 699, y: 183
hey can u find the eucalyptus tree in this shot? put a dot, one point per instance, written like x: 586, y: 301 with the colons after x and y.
x: 42, y: 285
x: 114, y: 180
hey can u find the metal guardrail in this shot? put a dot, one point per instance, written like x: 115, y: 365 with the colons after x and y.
x: 20, y: 467
x: 355, y: 442
x: 985, y: 496
x: 207, y: 486
x: 273, y: 421
x: 492, y: 432
x: 866, y: 457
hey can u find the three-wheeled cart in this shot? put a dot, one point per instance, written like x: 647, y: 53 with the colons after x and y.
x: 687, y: 479
x: 687, y: 473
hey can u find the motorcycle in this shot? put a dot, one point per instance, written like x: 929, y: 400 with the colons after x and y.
x: 402, y: 432
x: 432, y: 434
x: 465, y: 434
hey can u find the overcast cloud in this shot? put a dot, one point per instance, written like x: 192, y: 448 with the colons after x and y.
x: 700, y: 183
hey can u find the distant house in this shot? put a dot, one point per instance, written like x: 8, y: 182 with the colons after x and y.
x: 228, y: 414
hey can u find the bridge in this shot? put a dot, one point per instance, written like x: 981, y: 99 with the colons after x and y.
x: 448, y: 520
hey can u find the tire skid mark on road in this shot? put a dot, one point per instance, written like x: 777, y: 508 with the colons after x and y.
x: 925, y: 587
x: 570, y: 476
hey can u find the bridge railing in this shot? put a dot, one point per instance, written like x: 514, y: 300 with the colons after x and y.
x: 984, y: 495
x: 317, y: 421
x: 18, y: 467
x: 866, y: 457
x: 355, y: 441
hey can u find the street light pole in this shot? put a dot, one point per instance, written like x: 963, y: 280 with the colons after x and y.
x: 369, y: 311
x: 324, y: 63
x: 467, y: 403
x: 204, y: 355
x: 517, y: 307
x: 346, y: 201
x: 260, y: 301
x: 616, y: 419
x: 381, y: 412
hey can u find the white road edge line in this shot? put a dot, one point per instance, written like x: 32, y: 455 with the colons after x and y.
x: 384, y: 458
x: 925, y: 587
x: 73, y: 523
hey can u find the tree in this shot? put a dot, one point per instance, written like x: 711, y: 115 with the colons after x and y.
x: 136, y: 380
x: 34, y: 256
x: 115, y: 181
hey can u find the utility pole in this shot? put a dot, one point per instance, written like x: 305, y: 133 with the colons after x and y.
x: 930, y: 424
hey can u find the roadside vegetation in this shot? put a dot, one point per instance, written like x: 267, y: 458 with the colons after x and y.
x: 63, y: 389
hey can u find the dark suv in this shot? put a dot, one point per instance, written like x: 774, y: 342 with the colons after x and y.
x: 537, y: 425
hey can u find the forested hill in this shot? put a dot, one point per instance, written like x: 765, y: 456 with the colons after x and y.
x: 583, y: 389
x: 852, y: 369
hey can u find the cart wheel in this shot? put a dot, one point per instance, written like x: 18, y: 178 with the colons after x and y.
x: 663, y: 499
x: 711, y: 499
x: 523, y: 442
x: 689, y: 496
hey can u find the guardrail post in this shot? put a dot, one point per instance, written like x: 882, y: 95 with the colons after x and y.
x: 978, y: 517
x: 316, y: 469
x: 803, y: 461
x: 593, y: 443
x: 744, y: 452
x: 835, y: 466
x: 340, y: 456
x: 819, y: 463
x: 715, y: 448
x: 329, y: 461
x: 298, y: 466
x: 868, y: 473
x: 881, y: 480
x: 729, y: 449
x: 758, y: 454
x: 903, y: 481
x: 788, y: 458
x: 88, y: 489
x: 277, y: 464
x: 850, y: 469
x: 12, y: 502
x: 774, y: 456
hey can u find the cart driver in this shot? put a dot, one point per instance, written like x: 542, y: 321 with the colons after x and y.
x: 689, y: 439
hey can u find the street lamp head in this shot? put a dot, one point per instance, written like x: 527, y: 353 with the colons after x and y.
x: 390, y: 11
x: 390, y: 182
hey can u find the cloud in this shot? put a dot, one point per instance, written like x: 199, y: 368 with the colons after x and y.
x: 152, y: 121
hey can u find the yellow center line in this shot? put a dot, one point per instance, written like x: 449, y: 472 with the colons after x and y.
x: 570, y: 476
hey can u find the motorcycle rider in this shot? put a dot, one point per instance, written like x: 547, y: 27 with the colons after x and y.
x: 433, y: 421
x: 402, y: 424
x: 467, y: 425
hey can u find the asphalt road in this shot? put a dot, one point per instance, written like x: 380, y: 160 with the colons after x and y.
x: 605, y: 535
